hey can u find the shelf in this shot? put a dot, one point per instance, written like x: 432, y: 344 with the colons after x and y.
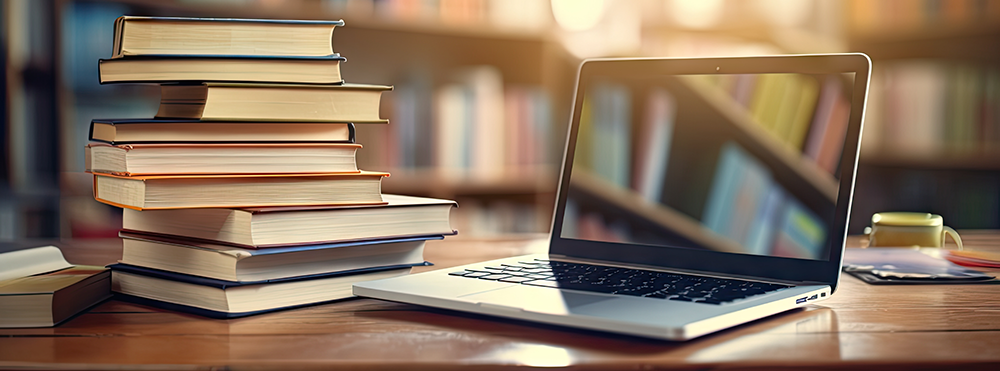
x: 665, y: 217
x: 968, y: 41
x: 983, y: 160
x: 437, y: 182
x: 817, y: 178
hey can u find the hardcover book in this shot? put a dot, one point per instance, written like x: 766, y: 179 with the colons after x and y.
x: 238, y: 190
x: 251, y: 265
x: 133, y: 131
x: 321, y: 70
x: 135, y: 36
x: 227, y: 299
x: 400, y: 216
x: 38, y: 288
x: 220, y: 158
x: 272, y: 102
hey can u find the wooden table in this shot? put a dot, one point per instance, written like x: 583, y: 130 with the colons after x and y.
x: 862, y: 326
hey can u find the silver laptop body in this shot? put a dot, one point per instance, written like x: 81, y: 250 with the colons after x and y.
x: 727, y: 169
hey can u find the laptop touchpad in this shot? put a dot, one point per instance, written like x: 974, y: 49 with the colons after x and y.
x: 537, y: 300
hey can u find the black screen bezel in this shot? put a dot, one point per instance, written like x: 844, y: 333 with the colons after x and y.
x: 801, y: 270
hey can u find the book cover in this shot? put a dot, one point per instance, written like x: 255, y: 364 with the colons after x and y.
x: 140, y: 131
x: 270, y: 227
x: 214, y: 101
x: 238, y: 190
x: 236, y: 68
x: 139, y: 35
x: 221, y: 284
x: 154, y: 300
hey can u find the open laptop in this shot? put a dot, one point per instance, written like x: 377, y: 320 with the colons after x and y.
x: 695, y: 195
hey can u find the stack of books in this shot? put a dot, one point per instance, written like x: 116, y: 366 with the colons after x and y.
x: 243, y: 194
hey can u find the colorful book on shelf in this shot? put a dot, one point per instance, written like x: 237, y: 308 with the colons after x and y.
x: 398, y: 217
x: 238, y: 190
x: 228, y: 299
x: 220, y: 158
x: 229, y: 263
x: 134, y: 131
x: 193, y: 68
x: 612, y: 124
x: 272, y: 102
x: 739, y: 194
x: 38, y: 288
x: 159, y: 36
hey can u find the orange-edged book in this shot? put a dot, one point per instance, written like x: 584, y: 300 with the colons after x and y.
x: 358, y: 103
x: 134, y: 131
x: 221, y: 158
x: 238, y: 190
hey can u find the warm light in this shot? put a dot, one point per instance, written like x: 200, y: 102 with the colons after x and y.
x: 696, y: 13
x: 577, y: 15
x: 535, y: 355
x: 786, y: 13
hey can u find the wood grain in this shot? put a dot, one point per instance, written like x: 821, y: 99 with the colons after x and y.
x: 860, y: 327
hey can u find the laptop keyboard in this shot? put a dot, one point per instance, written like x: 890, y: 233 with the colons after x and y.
x: 622, y: 281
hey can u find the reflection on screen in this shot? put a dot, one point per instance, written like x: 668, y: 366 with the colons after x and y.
x: 734, y: 163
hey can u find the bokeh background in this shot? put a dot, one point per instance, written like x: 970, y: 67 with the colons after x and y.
x: 506, y: 68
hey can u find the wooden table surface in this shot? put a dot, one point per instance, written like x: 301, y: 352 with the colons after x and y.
x: 861, y: 326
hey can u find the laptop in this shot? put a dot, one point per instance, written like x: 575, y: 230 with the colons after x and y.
x: 695, y: 195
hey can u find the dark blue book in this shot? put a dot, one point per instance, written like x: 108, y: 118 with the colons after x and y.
x: 233, y: 264
x: 229, y: 299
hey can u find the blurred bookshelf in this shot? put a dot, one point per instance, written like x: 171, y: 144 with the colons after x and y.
x: 503, y: 177
x: 516, y: 59
x: 932, y: 129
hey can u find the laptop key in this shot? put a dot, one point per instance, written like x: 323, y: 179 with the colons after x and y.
x: 515, y: 279
x: 477, y: 274
x: 494, y: 277
x: 459, y: 273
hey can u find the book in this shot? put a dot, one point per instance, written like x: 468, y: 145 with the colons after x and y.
x: 238, y: 190
x: 38, y: 288
x: 272, y: 102
x: 135, y: 36
x: 400, y: 216
x: 227, y: 299
x: 321, y: 70
x: 653, y: 147
x: 250, y: 265
x: 220, y: 158
x: 133, y: 131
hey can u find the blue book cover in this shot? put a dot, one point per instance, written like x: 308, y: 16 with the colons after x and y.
x: 220, y: 284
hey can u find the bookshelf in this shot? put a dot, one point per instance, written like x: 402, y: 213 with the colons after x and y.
x: 929, y: 142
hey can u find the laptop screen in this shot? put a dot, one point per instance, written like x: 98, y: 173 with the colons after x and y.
x: 738, y: 163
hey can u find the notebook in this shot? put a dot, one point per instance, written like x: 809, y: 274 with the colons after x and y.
x: 695, y: 195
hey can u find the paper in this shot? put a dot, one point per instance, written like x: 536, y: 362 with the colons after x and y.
x: 906, y: 264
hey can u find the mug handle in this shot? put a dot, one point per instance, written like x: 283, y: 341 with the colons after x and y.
x: 954, y: 236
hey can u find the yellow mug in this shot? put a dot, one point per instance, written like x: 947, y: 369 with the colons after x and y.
x: 903, y: 229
